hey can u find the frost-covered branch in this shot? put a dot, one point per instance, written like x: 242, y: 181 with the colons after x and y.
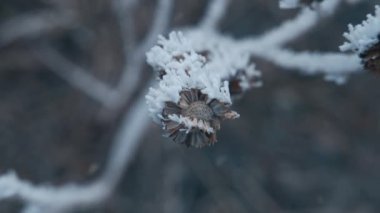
x: 74, y: 75
x: 215, y: 12
x: 33, y: 25
x: 131, y: 74
x: 335, y: 66
x: 364, y: 40
x: 43, y: 198
x: 61, y: 198
x: 198, y: 69
x: 124, y: 11
x: 199, y: 72
x: 292, y: 29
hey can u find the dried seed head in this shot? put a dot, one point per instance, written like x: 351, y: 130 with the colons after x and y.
x: 193, y: 121
x: 371, y: 58
x: 199, y: 110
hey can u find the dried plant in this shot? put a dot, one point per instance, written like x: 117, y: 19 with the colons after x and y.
x: 199, y: 70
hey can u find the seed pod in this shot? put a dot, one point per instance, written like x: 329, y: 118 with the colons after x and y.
x: 194, y: 120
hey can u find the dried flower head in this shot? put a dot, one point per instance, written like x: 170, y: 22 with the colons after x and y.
x: 193, y: 121
x: 371, y: 58
x: 192, y: 98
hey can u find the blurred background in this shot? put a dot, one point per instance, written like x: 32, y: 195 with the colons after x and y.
x: 300, y: 145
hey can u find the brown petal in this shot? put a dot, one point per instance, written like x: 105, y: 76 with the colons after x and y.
x: 371, y: 58
x: 170, y: 109
x: 212, y: 138
x: 196, y: 138
x: 190, y: 96
x: 218, y: 108
x: 180, y: 136
x: 202, y: 97
x: 186, y: 97
x: 184, y: 104
x: 215, y: 123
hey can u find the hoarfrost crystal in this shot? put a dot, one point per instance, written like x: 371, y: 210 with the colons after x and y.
x: 191, y: 98
x: 364, y: 39
x: 364, y: 35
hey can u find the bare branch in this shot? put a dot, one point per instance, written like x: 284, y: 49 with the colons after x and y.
x: 72, y: 195
x: 124, y: 11
x: 34, y: 25
x: 74, y: 75
x: 214, y: 14
x: 292, y: 29
x: 131, y: 75
x: 311, y: 63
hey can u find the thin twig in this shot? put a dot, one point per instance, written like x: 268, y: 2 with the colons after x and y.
x: 72, y: 195
x: 296, y: 27
x: 311, y: 62
x: 215, y: 12
x: 73, y: 74
x: 34, y: 25
x: 131, y: 74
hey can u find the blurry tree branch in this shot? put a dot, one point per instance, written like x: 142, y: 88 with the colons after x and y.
x: 71, y: 195
x: 73, y: 74
x: 34, y: 25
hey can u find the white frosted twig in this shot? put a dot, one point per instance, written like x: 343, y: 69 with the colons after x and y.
x: 69, y: 196
x: 34, y: 25
x: 311, y: 63
x: 131, y: 75
x: 126, y: 141
x: 354, y: 1
x: 57, y: 198
x: 124, y: 11
x: 292, y: 29
x: 288, y: 4
x: 74, y: 75
x: 214, y: 13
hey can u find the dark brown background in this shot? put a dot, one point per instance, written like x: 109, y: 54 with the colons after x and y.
x: 301, y: 144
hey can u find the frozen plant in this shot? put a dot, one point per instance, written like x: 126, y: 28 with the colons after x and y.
x: 199, y: 73
x: 192, y: 97
x: 206, y: 66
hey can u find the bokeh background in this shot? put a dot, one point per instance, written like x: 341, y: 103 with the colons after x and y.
x: 301, y: 144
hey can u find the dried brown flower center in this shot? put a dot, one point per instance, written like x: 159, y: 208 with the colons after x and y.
x: 199, y: 110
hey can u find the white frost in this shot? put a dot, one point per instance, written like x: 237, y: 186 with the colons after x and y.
x: 288, y: 4
x: 183, y: 69
x: 364, y: 35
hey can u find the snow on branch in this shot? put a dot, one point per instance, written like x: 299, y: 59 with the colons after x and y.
x: 362, y: 36
x: 290, y: 4
x: 364, y: 39
x: 131, y: 75
x: 303, y: 22
x: 335, y: 66
x: 192, y: 97
x: 198, y: 72
x: 214, y: 13
x: 76, y: 76
x: 48, y: 198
